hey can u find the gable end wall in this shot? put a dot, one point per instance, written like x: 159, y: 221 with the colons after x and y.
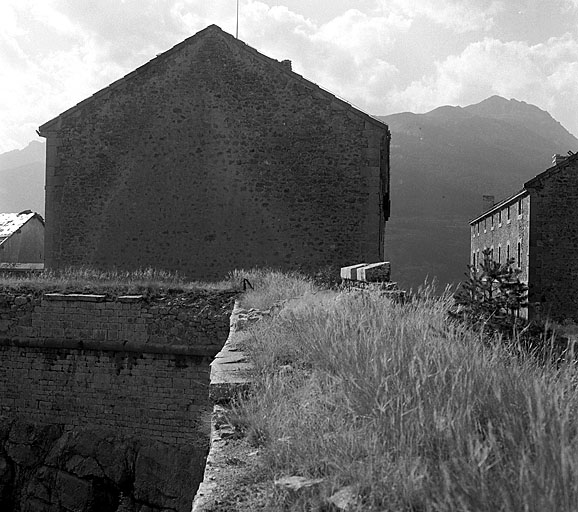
x: 215, y: 158
x: 554, y: 247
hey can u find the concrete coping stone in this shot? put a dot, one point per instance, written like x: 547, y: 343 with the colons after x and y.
x: 75, y: 297
x: 350, y: 272
x: 370, y: 272
x: 130, y: 298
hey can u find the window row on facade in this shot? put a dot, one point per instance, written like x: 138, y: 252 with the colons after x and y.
x: 505, y: 214
x: 500, y: 255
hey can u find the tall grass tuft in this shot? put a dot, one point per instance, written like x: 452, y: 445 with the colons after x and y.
x: 410, y: 409
x: 265, y: 287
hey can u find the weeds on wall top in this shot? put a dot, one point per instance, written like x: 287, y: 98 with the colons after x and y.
x: 147, y: 282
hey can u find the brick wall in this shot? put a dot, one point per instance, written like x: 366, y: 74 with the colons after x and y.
x: 138, y: 366
x: 215, y: 157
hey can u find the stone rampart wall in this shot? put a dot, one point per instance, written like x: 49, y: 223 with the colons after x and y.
x: 138, y: 366
x: 156, y: 396
x: 195, y: 323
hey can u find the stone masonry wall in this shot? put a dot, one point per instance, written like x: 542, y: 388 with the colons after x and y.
x: 214, y: 157
x: 140, y: 367
x: 554, y: 244
x: 197, y: 323
x: 156, y: 396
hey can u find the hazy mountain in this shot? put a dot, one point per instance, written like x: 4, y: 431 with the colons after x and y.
x: 442, y: 162
x: 22, y: 179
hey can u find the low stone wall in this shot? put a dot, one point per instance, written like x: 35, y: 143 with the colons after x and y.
x: 199, y: 321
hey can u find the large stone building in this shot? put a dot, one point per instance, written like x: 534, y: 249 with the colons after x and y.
x: 212, y: 157
x: 538, y: 227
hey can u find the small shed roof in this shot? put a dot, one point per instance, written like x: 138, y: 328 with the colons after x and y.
x: 12, y: 222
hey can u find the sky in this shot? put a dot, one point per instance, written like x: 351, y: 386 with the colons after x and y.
x: 383, y: 56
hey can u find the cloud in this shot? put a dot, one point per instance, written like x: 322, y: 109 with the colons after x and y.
x: 543, y: 74
x: 55, y: 53
x: 459, y: 15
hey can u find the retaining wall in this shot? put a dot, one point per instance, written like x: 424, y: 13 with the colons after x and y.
x: 137, y: 365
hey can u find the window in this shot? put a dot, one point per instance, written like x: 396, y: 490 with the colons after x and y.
x: 499, y: 254
x: 485, y: 224
x: 508, y: 251
x: 500, y: 217
x: 508, y: 212
x: 492, y: 253
x: 474, y: 259
x: 520, y: 207
x: 492, y: 221
x: 478, y: 224
x: 519, y: 254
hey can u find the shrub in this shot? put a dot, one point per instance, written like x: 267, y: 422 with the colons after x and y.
x: 492, y: 297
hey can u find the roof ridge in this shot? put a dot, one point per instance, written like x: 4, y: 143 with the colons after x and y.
x: 232, y: 39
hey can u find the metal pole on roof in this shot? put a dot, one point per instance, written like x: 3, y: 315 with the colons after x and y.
x: 237, y: 31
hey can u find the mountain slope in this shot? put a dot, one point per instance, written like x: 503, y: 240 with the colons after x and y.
x: 443, y: 162
x: 22, y: 179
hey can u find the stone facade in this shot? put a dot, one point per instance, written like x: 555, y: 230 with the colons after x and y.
x: 543, y: 238
x: 213, y: 157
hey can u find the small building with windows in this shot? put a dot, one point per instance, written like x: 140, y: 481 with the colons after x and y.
x: 538, y: 228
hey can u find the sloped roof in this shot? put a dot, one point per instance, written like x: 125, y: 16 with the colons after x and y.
x: 500, y: 204
x: 210, y: 29
x: 551, y: 170
x: 529, y: 184
x: 12, y: 222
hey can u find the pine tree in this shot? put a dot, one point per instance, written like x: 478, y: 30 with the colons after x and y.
x: 492, y: 296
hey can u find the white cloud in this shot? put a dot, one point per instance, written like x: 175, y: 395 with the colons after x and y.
x: 54, y: 53
x: 458, y: 15
x: 543, y: 74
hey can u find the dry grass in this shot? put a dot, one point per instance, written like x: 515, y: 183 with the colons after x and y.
x: 88, y: 280
x: 271, y: 286
x: 410, y: 409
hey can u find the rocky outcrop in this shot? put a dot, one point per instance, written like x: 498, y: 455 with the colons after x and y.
x: 46, y: 469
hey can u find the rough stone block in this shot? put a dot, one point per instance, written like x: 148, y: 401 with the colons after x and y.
x: 350, y: 272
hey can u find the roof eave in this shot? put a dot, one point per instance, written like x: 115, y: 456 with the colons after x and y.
x: 500, y: 205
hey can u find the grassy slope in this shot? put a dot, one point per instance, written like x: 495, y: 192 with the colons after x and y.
x: 412, y: 411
